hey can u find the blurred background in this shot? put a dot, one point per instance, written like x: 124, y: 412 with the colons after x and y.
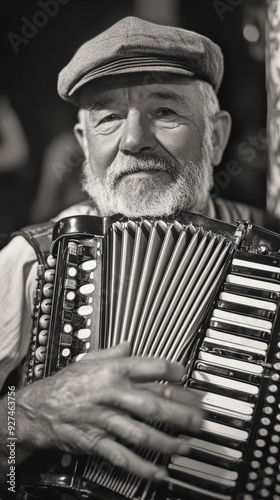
x: 40, y: 164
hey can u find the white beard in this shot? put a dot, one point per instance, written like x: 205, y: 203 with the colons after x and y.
x: 188, y: 188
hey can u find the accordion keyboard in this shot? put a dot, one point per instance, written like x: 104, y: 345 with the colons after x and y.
x: 236, y: 374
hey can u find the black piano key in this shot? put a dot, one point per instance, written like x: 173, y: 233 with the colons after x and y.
x: 231, y: 353
x: 213, y: 459
x: 239, y: 330
x: 211, y: 485
x: 221, y: 418
x: 173, y: 489
x: 246, y: 310
x: 224, y: 371
x: 223, y: 391
x: 253, y: 293
x: 272, y: 276
x: 256, y: 258
x: 222, y: 440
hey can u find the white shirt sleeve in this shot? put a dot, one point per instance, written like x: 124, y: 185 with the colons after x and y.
x: 18, y: 271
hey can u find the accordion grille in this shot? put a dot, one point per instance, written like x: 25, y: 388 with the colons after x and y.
x: 160, y: 279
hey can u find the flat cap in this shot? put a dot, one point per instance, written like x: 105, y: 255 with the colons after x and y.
x: 133, y: 45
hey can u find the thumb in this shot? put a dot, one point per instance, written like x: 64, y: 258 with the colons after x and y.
x: 119, y: 351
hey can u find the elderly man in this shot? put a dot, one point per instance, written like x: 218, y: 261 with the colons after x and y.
x: 151, y: 130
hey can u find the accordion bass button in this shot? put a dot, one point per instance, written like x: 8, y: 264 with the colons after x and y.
x: 46, y: 306
x: 49, y: 275
x: 40, y: 353
x: 39, y: 370
x: 51, y: 261
x: 44, y: 321
x: 48, y: 290
x: 43, y: 337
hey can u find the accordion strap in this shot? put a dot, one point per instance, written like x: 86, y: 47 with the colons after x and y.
x: 39, y: 237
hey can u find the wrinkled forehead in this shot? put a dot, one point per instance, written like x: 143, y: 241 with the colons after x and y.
x: 144, y: 84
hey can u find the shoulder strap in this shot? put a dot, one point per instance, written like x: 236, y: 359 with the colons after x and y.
x: 39, y: 237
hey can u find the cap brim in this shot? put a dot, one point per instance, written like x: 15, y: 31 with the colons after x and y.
x: 132, y: 65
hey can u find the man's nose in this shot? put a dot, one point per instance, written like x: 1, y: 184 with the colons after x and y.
x: 137, y: 134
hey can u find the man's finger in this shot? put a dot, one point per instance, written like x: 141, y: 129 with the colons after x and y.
x: 120, y: 456
x: 147, y: 405
x: 173, y: 392
x: 146, y: 369
x: 141, y: 434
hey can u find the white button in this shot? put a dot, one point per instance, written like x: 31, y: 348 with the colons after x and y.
x: 66, y: 353
x: 86, y: 289
x: 85, y: 310
x: 84, y: 333
x: 88, y: 265
x: 72, y: 272
x: 80, y: 356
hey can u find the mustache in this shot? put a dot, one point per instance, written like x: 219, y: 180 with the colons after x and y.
x: 127, y: 164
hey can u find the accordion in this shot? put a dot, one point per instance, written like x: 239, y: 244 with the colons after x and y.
x: 194, y: 290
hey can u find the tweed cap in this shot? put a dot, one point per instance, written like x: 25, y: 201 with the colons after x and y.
x: 133, y: 45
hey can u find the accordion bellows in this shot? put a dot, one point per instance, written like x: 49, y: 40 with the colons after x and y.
x: 193, y: 290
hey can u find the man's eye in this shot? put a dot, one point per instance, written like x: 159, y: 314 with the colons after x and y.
x: 165, y: 112
x: 109, y: 118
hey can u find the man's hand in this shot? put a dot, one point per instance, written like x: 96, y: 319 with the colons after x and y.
x: 88, y: 405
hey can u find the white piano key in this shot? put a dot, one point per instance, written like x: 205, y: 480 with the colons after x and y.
x: 214, y: 449
x: 219, y: 401
x: 236, y: 339
x: 242, y: 320
x: 255, y: 265
x: 88, y: 265
x: 231, y: 363
x: 253, y: 283
x: 224, y: 430
x: 230, y: 345
x: 225, y: 382
x: 198, y: 466
x: 228, y: 413
x: 247, y: 301
x: 196, y: 489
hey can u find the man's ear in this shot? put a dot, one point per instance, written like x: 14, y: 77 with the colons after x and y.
x: 221, y: 133
x: 80, y: 133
